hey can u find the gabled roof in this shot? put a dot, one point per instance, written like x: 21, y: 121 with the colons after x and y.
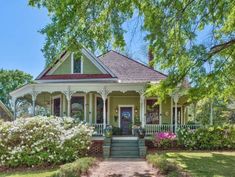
x: 107, y: 73
x: 128, y: 70
x: 7, y: 111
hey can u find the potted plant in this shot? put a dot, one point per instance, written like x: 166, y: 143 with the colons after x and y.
x: 136, y: 125
x: 108, y: 131
x: 141, y: 133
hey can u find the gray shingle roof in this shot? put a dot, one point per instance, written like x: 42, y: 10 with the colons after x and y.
x: 128, y: 70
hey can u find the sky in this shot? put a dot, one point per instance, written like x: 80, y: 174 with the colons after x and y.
x: 21, y: 43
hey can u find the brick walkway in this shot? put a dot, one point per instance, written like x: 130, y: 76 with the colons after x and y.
x: 124, y: 168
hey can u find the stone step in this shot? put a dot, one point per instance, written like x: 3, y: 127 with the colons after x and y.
x: 124, y: 148
x: 125, y: 156
x: 124, y: 144
x: 124, y: 153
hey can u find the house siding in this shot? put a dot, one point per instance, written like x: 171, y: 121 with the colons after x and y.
x: 88, y: 67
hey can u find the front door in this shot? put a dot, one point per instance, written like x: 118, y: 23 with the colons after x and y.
x: 126, y: 120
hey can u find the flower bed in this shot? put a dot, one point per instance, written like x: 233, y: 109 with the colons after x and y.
x: 43, y: 140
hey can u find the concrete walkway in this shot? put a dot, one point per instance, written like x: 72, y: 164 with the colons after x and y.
x: 124, y: 168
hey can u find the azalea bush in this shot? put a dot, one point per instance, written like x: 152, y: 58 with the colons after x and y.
x: 164, y: 139
x: 42, y: 140
x: 208, y: 138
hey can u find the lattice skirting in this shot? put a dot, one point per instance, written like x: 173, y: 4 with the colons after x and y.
x: 96, y: 148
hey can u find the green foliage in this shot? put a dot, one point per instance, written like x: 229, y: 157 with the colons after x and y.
x: 76, y: 168
x: 159, y: 161
x: 11, y: 80
x: 208, y: 138
x: 42, y: 140
x: 171, y: 29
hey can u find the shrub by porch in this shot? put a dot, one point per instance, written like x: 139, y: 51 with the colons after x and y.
x: 42, y: 140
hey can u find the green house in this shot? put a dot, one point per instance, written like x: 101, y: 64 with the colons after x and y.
x: 104, y: 90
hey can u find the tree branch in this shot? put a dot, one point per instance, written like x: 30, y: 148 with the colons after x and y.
x: 218, y: 48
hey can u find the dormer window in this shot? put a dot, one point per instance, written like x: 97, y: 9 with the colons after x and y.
x: 77, y: 64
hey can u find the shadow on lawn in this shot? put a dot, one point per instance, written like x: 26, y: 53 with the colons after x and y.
x: 147, y: 173
x: 209, y: 166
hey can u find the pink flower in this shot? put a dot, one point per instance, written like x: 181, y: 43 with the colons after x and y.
x: 164, y: 135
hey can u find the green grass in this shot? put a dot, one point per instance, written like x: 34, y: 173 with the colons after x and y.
x: 205, y: 164
x: 41, y: 173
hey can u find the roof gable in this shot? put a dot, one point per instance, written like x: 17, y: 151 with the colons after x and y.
x: 62, y: 68
x: 129, y: 70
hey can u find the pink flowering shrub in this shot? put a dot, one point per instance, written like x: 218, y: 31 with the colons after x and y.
x: 164, y: 139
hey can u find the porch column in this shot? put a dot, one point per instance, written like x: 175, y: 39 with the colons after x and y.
x: 68, y: 93
x: 90, y: 108
x: 142, y: 109
x: 160, y: 113
x: 14, y: 101
x: 104, y: 94
x: 171, y: 114
x: 176, y: 99
x: 34, y: 98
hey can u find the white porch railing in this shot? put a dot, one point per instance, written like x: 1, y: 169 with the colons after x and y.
x: 150, y: 129
x: 98, y: 129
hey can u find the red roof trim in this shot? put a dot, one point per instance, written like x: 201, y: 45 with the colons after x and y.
x: 75, y: 76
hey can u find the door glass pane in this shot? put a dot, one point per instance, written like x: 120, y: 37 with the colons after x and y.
x: 77, y: 107
x: 152, y: 112
x: 178, y: 115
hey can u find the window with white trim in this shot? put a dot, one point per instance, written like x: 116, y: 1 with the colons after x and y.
x: 77, y: 64
x: 77, y: 107
x: 99, y: 110
x: 152, y: 111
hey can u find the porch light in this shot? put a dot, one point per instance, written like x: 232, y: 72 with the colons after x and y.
x: 116, y: 110
x: 136, y: 110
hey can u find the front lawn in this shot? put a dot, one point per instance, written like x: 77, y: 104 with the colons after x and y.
x: 208, y: 164
x: 41, y: 173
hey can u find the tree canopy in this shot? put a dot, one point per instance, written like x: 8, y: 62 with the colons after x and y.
x: 11, y: 80
x: 173, y: 30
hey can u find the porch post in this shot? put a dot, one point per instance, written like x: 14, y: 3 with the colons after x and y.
x: 14, y: 100
x: 171, y: 114
x: 68, y: 93
x: 176, y: 99
x: 142, y: 107
x: 90, y: 108
x: 34, y: 98
x: 160, y: 114
x: 104, y: 94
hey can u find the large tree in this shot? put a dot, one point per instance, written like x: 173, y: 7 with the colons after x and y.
x: 173, y: 31
x: 11, y: 80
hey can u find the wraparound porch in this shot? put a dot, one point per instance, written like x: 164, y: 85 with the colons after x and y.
x: 121, y: 105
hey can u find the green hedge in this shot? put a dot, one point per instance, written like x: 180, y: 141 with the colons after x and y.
x: 77, y: 168
x: 208, y: 138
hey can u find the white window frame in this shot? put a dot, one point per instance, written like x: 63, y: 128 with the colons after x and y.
x: 85, y: 103
x: 119, y: 113
x: 72, y: 64
x: 160, y: 110
x: 56, y: 97
x: 108, y: 106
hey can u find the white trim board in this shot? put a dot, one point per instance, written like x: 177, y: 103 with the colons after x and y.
x: 119, y: 112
